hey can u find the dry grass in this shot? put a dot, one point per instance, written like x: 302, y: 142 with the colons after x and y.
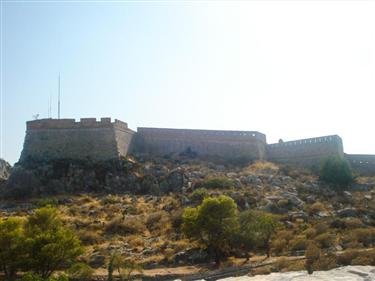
x: 125, y: 226
x: 262, y: 167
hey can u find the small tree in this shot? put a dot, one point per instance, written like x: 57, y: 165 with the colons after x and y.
x: 124, y: 267
x: 212, y: 223
x: 336, y: 171
x: 257, y: 229
x: 245, y: 238
x: 12, y: 250
x: 50, y: 244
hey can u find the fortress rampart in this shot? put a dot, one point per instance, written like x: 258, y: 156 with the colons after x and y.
x: 306, y: 152
x: 48, y: 139
x: 227, y: 144
x: 362, y: 163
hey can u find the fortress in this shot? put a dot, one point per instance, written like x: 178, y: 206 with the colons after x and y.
x: 89, y: 139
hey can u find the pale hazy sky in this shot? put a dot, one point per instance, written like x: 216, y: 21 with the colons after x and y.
x: 289, y: 69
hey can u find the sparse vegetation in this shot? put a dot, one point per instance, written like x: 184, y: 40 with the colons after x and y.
x: 152, y: 229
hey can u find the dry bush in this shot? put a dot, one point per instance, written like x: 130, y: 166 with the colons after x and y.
x: 315, y: 208
x: 262, y: 167
x: 157, y: 220
x: 347, y: 257
x: 285, y: 234
x: 366, y: 236
x: 135, y: 241
x: 89, y: 237
x: 321, y: 228
x: 180, y: 245
x: 278, y: 246
x: 298, y: 244
x: 325, y: 262
x: 176, y: 219
x: 325, y: 240
x: 111, y: 199
x: 280, y: 265
x: 365, y: 258
x: 310, y: 233
x: 153, y: 259
x: 168, y: 254
x: 297, y: 265
x: 125, y: 226
x: 84, y: 199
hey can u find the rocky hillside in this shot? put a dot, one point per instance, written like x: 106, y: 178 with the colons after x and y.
x: 135, y: 208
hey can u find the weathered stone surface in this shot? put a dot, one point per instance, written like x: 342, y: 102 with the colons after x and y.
x: 348, y: 273
x: 4, y: 170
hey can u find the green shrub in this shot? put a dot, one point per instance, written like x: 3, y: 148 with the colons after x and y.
x: 41, y: 245
x: 80, y: 271
x: 12, y: 246
x: 218, y: 182
x: 336, y: 171
x: 50, y: 245
x: 44, y: 202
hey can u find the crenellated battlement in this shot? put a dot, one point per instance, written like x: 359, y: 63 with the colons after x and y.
x: 304, y: 142
x: 73, y: 124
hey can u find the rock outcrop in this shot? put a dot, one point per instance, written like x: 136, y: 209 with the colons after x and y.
x: 4, y: 170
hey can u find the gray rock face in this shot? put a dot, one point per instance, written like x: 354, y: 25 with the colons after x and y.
x: 4, y: 170
x: 347, y: 273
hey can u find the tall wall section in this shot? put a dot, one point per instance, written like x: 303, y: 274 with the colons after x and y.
x: 49, y: 139
x: 226, y: 144
x: 306, y: 152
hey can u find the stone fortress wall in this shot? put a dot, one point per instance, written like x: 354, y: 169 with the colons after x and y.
x: 306, y: 152
x: 227, y: 144
x: 363, y: 163
x: 67, y: 139
x: 103, y: 140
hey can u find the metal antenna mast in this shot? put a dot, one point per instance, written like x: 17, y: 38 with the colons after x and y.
x: 58, y: 104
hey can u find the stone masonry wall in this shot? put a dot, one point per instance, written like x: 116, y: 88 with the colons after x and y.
x: 227, y: 144
x: 48, y: 139
x: 362, y: 163
x: 306, y: 152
